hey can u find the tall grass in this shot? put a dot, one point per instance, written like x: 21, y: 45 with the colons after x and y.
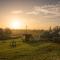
x: 29, y: 51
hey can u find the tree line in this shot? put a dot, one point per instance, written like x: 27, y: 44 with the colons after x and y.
x: 53, y: 34
x: 5, y: 33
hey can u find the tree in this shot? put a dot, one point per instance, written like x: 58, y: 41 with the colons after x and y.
x: 45, y: 35
x: 56, y: 31
x: 56, y: 34
x: 1, y: 33
x: 51, y: 34
x: 7, y: 33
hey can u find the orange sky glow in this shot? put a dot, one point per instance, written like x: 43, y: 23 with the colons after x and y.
x: 36, y: 14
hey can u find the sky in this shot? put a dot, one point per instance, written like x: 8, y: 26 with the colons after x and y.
x: 36, y: 14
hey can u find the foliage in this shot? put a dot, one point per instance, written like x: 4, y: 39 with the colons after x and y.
x: 52, y: 34
x: 5, y: 33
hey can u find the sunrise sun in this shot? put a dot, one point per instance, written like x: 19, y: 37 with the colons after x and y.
x: 15, y: 24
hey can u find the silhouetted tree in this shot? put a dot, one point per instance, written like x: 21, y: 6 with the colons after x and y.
x: 1, y: 33
x: 56, y: 31
x: 45, y: 35
x: 51, y: 34
x: 56, y: 34
x: 7, y: 33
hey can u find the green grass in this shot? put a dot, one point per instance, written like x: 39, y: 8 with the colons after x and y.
x: 29, y: 51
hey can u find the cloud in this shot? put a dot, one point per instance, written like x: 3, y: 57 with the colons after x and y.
x: 46, y: 10
x: 17, y: 12
x: 32, y: 12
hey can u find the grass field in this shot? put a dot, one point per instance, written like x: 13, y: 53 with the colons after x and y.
x: 29, y: 51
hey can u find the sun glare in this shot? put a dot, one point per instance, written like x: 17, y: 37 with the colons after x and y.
x: 15, y: 24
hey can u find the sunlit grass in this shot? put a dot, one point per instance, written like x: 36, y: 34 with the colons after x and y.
x: 26, y: 51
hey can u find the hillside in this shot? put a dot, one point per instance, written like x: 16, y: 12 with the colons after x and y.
x: 29, y: 51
